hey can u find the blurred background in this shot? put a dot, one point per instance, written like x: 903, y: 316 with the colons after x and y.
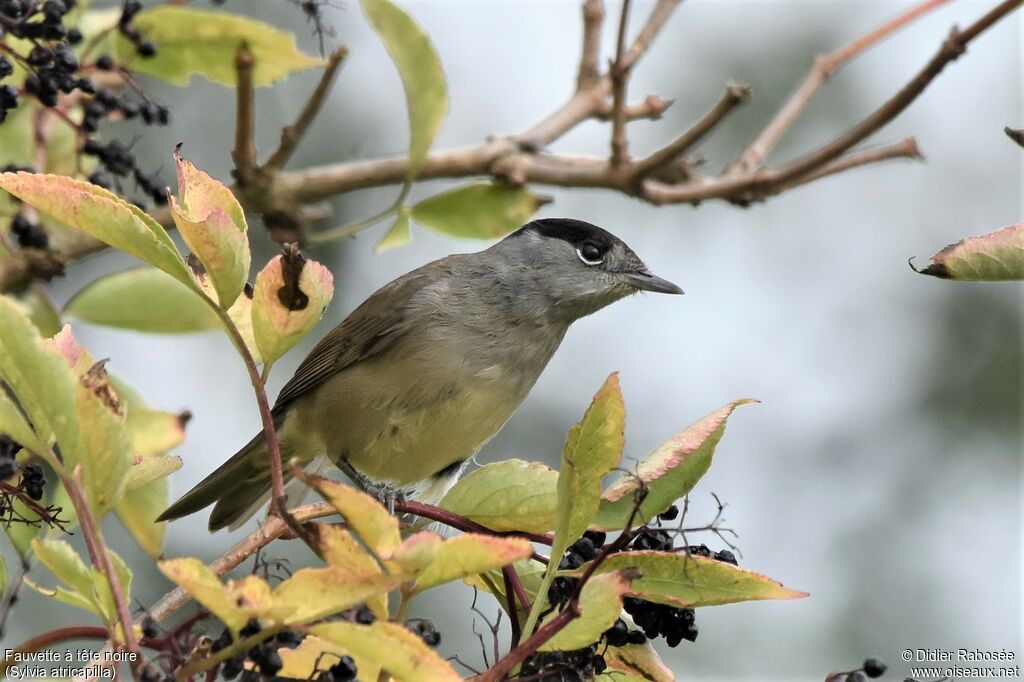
x: 881, y: 471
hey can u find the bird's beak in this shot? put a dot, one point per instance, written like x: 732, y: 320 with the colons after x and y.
x: 645, y: 281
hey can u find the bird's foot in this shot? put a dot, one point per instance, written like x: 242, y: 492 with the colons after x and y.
x: 385, y: 494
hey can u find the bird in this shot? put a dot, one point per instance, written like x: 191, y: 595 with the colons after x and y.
x: 412, y: 384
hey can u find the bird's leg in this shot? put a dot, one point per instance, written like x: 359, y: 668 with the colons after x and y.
x: 385, y: 494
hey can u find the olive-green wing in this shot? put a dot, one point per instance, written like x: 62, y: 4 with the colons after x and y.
x: 371, y: 328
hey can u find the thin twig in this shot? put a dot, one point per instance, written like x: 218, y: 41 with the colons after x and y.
x: 101, y: 560
x: 822, y: 69
x: 593, y: 21
x: 951, y: 48
x: 733, y: 96
x: 509, y: 575
x: 244, y: 154
x: 904, y: 149
x: 620, y: 78
x: 293, y: 134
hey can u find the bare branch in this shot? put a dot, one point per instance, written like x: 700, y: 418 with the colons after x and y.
x: 905, y: 149
x: 293, y: 134
x: 754, y: 155
x: 593, y: 20
x: 244, y: 155
x: 951, y: 48
x: 620, y: 78
x: 733, y: 96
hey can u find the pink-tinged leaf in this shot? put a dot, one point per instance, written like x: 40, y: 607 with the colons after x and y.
x: 212, y: 223
x: 100, y: 214
x: 669, y: 472
x: 414, y: 554
x: 290, y: 297
x: 675, y: 579
x: 65, y: 345
x: 990, y: 257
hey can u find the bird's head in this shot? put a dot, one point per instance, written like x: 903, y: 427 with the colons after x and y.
x: 573, y: 267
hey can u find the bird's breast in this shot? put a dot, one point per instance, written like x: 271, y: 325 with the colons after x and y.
x: 409, y: 412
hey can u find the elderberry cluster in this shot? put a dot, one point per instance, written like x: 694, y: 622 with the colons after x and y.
x: 8, y: 450
x: 653, y: 620
x: 264, y: 656
x: 425, y: 630
x: 872, y: 668
x: 117, y: 161
x: 145, y: 48
x: 564, y: 666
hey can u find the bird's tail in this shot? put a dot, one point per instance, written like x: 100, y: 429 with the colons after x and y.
x: 237, y: 489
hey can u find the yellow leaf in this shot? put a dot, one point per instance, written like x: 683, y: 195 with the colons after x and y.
x: 193, y: 576
x: 391, y: 648
x: 469, y: 554
x: 364, y: 514
x: 194, y: 41
x: 315, y: 593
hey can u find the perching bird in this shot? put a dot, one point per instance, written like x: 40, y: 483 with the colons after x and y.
x: 422, y: 374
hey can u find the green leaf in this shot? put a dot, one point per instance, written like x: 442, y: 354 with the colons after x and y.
x: 101, y: 587
x: 678, y: 580
x: 3, y: 575
x: 149, y: 468
x: 669, y: 472
x: 592, y: 449
x: 212, y: 223
x: 40, y: 310
x: 426, y: 93
x: 100, y: 214
x: 65, y: 564
x: 390, y: 647
x: 144, y: 299
x: 138, y: 510
x: 200, y: 42
x: 507, y: 495
x: 482, y: 210
x: 366, y: 517
x: 340, y: 549
x: 290, y: 297
x: 13, y: 424
x: 106, y: 452
x: 315, y: 593
x: 600, y: 607
x: 40, y: 379
x: 21, y: 535
x: 397, y: 235
x: 193, y: 576
x: 994, y: 256
x: 469, y: 554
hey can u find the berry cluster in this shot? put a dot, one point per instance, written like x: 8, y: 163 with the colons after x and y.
x: 8, y: 450
x: 50, y: 68
x: 28, y: 234
x: 872, y: 668
x: 33, y: 480
x: 145, y: 48
x: 654, y: 620
x: 344, y: 670
x: 116, y: 160
x: 564, y: 666
x: 264, y: 655
x: 425, y: 630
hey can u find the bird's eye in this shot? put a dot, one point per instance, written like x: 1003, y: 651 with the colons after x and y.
x: 590, y: 253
